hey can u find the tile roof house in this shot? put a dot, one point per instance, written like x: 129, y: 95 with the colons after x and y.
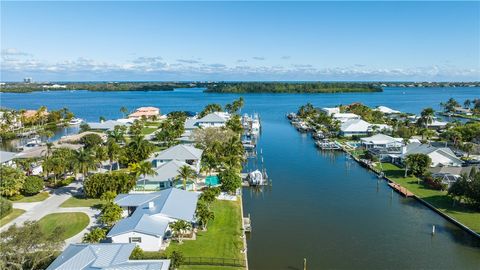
x: 147, y: 112
x: 106, y: 256
x: 148, y: 216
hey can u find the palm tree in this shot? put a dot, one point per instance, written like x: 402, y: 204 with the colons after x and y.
x: 124, y: 110
x: 179, y: 227
x: 184, y: 173
x: 113, y: 151
x: 426, y: 116
x: 49, y: 149
x: 100, y: 154
x: 84, y: 161
x: 204, y: 215
x: 145, y: 168
x: 139, y: 149
x: 117, y: 134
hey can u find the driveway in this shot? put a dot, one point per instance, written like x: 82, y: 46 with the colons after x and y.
x: 37, y: 210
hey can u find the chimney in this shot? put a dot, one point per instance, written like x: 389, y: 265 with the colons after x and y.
x: 151, y: 205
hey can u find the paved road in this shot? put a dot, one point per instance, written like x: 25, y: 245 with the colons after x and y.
x: 37, y: 210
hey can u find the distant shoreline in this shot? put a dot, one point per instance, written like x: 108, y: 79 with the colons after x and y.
x: 227, y: 87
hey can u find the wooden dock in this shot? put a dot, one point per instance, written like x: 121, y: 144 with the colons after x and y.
x: 247, y: 225
x: 405, y: 192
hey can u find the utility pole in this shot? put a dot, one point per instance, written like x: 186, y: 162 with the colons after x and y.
x: 304, y: 263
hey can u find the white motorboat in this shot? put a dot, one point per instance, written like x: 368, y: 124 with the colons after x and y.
x: 75, y: 121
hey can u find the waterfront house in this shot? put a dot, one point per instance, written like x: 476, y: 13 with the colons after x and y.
x: 107, y: 125
x: 181, y: 152
x: 103, y: 256
x: 449, y: 175
x: 344, y: 117
x: 464, y: 111
x: 330, y: 111
x: 440, y: 156
x: 149, y: 216
x: 166, y: 174
x: 32, y: 113
x: 6, y: 158
x: 215, y: 119
x: 381, y: 141
x: 386, y: 110
x: 437, y: 125
x: 145, y: 112
x: 354, y: 127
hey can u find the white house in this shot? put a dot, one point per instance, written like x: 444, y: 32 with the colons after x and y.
x: 386, y: 110
x: 6, y: 158
x: 181, y: 152
x: 103, y: 256
x: 107, y: 125
x: 344, y: 117
x: 149, y: 214
x: 330, y: 111
x: 441, y: 156
x: 354, y: 127
x: 381, y: 141
x: 215, y: 119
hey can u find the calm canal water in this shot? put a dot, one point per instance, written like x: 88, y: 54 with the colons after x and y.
x: 321, y: 206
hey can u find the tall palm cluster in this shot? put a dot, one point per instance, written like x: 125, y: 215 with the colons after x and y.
x: 171, y: 128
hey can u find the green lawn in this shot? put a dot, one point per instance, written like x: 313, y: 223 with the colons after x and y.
x: 13, y: 215
x: 35, y: 198
x: 148, y: 130
x: 81, y: 202
x: 437, y: 198
x: 221, y: 240
x: 72, y: 223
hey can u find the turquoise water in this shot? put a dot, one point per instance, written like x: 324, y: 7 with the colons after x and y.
x: 212, y: 180
x: 320, y: 206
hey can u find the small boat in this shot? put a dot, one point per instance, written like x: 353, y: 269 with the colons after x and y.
x: 327, y: 145
x: 255, y: 178
x: 291, y: 116
x: 249, y: 146
x: 75, y: 121
x: 34, y: 142
x: 318, y: 135
x: 302, y: 127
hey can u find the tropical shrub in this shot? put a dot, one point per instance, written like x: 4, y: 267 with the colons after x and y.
x: 91, y: 140
x: 5, y: 207
x: 32, y: 185
x: 12, y: 181
x: 95, y: 236
x: 230, y: 181
x: 65, y: 182
x: 118, y: 182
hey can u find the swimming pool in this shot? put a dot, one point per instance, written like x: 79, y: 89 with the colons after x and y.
x: 212, y: 180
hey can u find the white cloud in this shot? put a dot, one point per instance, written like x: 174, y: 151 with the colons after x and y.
x: 15, y: 66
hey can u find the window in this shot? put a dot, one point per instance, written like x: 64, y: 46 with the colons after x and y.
x: 135, y: 239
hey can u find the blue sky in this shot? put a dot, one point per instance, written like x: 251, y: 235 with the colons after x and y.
x: 430, y: 41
